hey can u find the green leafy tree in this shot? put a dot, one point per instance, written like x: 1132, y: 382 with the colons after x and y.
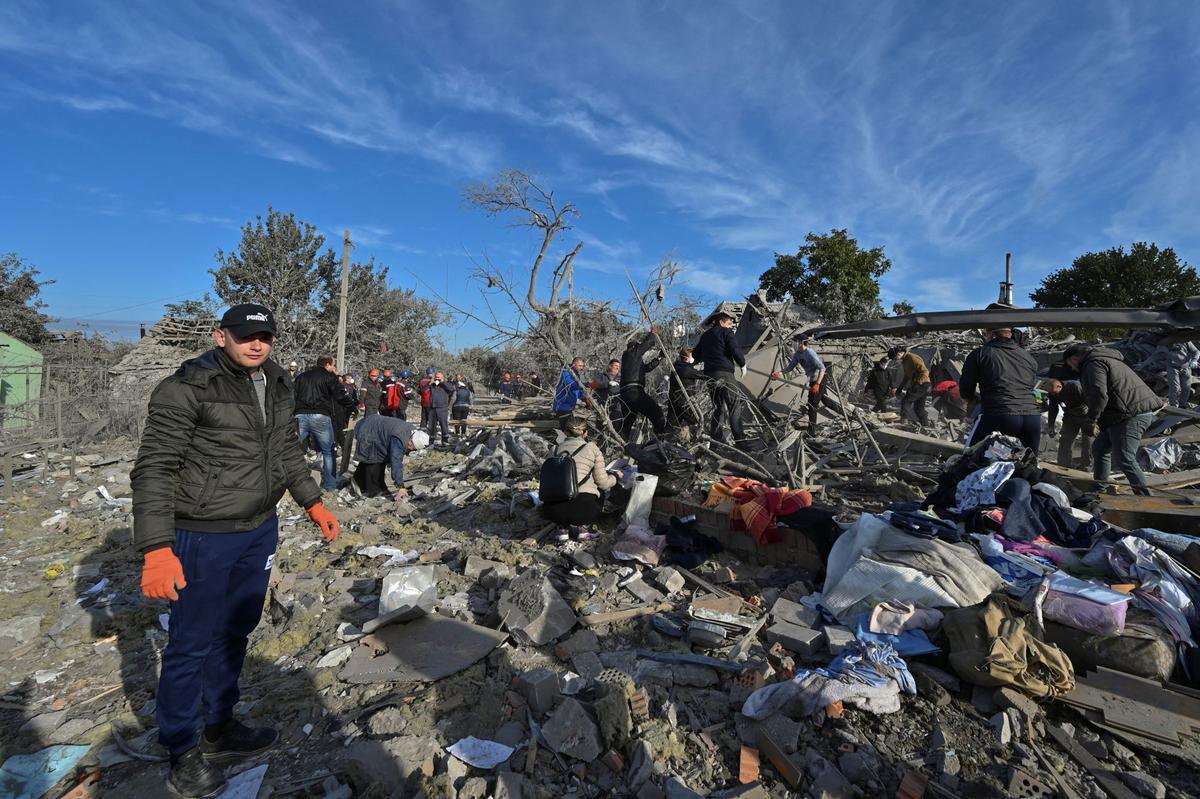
x: 20, y: 300
x: 903, y: 308
x: 1142, y: 277
x: 831, y: 274
x: 279, y: 263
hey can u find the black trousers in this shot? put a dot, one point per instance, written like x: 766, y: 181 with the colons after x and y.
x: 913, y: 405
x: 439, y: 418
x: 584, y: 509
x: 369, y: 479
x: 725, y: 391
x: 638, y: 402
x: 815, y: 400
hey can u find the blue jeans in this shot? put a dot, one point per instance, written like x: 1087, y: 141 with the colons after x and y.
x: 320, y: 427
x: 227, y: 576
x: 1120, y: 443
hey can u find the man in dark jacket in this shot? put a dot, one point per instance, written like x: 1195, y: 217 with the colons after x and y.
x: 1120, y: 408
x: 219, y: 450
x: 1002, y: 376
x: 423, y: 392
x: 1069, y: 395
x: 440, y: 396
x: 381, y: 441
x: 681, y: 391
x: 318, y: 390
x: 372, y: 395
x: 881, y: 381
x: 718, y: 350
x: 635, y: 398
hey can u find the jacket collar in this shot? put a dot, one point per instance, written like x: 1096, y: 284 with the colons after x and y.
x: 200, y: 370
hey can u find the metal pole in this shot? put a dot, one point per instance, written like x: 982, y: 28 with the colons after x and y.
x: 341, y: 328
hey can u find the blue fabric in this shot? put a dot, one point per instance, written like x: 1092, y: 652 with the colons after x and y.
x: 568, y: 392
x: 925, y: 526
x: 909, y: 643
x: 320, y: 428
x: 30, y: 776
x: 871, y: 663
x: 1028, y: 514
x: 227, y: 576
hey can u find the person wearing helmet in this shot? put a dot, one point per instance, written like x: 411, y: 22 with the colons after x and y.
x: 371, y: 395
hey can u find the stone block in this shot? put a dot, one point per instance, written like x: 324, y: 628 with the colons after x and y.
x: 584, y: 640
x: 476, y: 567
x: 804, y: 641
x: 837, y: 638
x: 510, y: 785
x: 795, y: 613
x: 678, y: 789
x: 587, y: 664
x: 535, y: 613
x: 21, y: 630
x: 571, y: 731
x: 644, y: 592
x: 540, y: 689
x: 671, y: 581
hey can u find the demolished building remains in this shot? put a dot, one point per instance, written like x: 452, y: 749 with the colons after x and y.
x: 871, y: 610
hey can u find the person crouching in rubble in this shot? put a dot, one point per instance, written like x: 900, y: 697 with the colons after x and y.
x: 574, y: 515
x: 914, y: 385
x: 806, y: 358
x: 380, y: 441
x: 1120, y: 408
x: 1002, y: 376
x: 879, y: 383
x: 682, y: 410
x: 1069, y: 395
x: 219, y: 450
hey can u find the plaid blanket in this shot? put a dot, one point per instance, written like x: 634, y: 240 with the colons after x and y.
x: 754, y: 507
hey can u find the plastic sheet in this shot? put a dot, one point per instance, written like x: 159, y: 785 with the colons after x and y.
x: 414, y: 586
x: 641, y: 499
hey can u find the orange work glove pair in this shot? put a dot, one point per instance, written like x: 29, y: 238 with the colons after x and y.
x: 162, y: 574
x: 325, y: 520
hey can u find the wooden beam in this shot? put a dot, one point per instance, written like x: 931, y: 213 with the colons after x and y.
x: 1161, y: 513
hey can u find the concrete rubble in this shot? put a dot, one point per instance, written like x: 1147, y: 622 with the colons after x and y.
x: 606, y: 677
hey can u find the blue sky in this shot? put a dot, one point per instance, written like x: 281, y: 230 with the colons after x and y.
x: 138, y: 137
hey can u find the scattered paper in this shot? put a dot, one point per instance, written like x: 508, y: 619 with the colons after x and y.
x: 246, y: 784
x: 395, y: 556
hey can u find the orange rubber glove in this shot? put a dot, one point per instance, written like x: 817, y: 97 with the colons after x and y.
x: 777, y: 375
x: 816, y: 388
x: 162, y: 574
x: 325, y: 520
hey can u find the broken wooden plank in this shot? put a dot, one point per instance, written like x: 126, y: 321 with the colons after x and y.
x: 1162, y: 513
x: 596, y: 619
x: 1106, y: 778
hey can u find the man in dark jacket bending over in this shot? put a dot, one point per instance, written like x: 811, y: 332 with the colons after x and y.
x: 381, y: 441
x: 1001, y: 375
x: 1120, y: 408
x: 219, y: 450
x: 718, y: 350
x: 634, y: 396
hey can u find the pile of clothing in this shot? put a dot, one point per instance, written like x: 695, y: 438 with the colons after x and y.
x: 755, y: 507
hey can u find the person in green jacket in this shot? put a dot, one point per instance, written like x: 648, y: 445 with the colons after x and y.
x: 219, y: 449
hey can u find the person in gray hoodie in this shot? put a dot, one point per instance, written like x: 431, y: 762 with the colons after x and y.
x: 1120, y: 408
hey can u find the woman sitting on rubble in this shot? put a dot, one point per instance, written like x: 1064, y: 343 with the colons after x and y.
x: 574, y: 515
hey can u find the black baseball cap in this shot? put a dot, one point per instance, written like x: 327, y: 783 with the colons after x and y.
x: 247, y: 319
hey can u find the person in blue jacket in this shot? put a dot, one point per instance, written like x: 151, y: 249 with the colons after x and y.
x: 569, y: 390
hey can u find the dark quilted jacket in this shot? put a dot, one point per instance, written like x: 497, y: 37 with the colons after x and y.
x: 207, y: 461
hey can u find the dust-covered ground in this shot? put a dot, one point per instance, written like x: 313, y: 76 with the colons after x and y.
x: 80, y: 650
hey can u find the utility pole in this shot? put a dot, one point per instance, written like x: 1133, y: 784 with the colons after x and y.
x: 341, y: 331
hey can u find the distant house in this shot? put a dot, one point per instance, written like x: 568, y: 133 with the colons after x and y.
x: 20, y: 383
x: 157, y: 355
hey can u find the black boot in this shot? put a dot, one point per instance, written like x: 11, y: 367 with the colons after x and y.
x: 190, y: 776
x: 233, y: 740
